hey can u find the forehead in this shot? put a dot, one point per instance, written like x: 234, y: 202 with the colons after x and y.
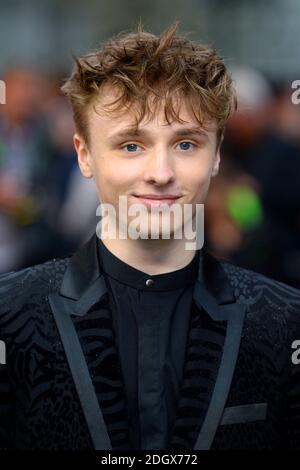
x: 103, y: 115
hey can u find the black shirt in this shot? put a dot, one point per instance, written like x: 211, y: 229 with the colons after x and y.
x: 151, y: 317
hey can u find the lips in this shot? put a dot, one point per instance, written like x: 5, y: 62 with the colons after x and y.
x: 153, y: 200
x: 157, y: 196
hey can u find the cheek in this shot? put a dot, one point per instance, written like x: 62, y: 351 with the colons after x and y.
x: 113, y: 178
x: 197, y: 179
x: 197, y: 173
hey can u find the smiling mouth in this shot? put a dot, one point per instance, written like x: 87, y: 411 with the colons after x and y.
x: 154, y: 201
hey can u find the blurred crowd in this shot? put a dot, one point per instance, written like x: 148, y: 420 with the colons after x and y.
x: 252, y: 213
x: 253, y: 209
x: 46, y: 208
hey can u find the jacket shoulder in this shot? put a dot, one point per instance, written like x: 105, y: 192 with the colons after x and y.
x: 30, y: 285
x: 273, y: 306
x: 250, y: 285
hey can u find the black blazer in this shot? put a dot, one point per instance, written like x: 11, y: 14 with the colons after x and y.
x: 61, y: 386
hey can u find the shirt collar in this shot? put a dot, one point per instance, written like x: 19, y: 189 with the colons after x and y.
x: 83, y: 283
x: 130, y: 276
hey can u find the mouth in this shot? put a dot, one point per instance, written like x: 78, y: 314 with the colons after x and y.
x: 156, y: 200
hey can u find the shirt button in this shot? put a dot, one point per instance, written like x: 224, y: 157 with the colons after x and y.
x: 149, y: 282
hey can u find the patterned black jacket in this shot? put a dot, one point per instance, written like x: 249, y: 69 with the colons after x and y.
x: 61, y: 385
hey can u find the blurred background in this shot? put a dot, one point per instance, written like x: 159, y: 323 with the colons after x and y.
x: 252, y: 213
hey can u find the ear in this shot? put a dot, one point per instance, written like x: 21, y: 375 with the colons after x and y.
x: 216, y: 163
x: 84, y: 157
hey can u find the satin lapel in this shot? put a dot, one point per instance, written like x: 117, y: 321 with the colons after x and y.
x: 226, y: 366
x: 211, y: 354
x: 79, y: 369
x: 83, y: 321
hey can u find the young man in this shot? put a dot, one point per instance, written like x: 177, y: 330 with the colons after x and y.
x: 140, y: 343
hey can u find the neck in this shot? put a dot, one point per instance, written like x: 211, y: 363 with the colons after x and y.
x: 151, y: 256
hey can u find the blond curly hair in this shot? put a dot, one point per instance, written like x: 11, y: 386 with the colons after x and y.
x: 140, y: 64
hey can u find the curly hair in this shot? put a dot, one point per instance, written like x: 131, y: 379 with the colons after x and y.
x: 166, y: 67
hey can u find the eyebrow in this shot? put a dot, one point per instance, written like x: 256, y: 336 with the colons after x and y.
x: 136, y: 132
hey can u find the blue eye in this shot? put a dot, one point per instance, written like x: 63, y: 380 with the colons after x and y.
x: 131, y: 147
x: 186, y: 145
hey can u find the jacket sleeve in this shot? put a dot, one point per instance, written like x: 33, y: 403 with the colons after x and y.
x: 294, y: 382
x: 7, y: 294
x: 6, y: 409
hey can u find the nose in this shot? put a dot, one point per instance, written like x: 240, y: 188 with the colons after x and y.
x: 160, y: 167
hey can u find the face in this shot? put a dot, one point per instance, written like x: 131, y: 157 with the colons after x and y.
x: 159, y: 159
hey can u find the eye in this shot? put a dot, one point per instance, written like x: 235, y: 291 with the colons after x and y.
x: 131, y: 147
x: 186, y: 145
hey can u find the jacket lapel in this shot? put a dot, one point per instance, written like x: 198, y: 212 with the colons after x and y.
x: 85, y: 327
x: 211, y: 354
